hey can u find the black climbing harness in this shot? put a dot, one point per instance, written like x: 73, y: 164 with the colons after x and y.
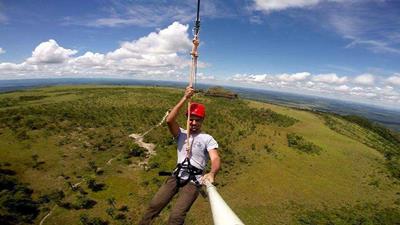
x: 185, y: 169
x: 184, y: 173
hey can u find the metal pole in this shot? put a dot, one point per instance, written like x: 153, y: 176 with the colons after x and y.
x: 222, y: 213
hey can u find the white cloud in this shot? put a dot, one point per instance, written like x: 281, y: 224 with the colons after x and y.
x: 143, y: 15
x: 2, y: 51
x: 270, y: 5
x: 342, y: 88
x: 369, y: 24
x: 276, y: 5
x: 365, y: 79
x: 256, y: 19
x: 294, y: 77
x: 159, y: 55
x: 157, y: 51
x: 310, y: 84
x: 373, y: 27
x: 349, y: 26
x: 151, y: 13
x: 171, y: 40
x: 50, y: 52
x: 395, y: 80
x: 374, y: 46
x: 201, y: 76
x: 260, y: 78
x: 250, y: 78
x: 135, y: 14
x: 8, y: 66
x: 90, y: 59
x: 13, y: 70
x: 330, y: 85
x: 271, y: 80
x: 330, y: 78
x: 357, y: 89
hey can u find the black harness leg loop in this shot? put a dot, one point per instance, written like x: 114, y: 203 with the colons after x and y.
x: 191, y: 170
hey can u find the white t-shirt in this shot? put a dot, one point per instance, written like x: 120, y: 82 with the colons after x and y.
x: 201, y: 144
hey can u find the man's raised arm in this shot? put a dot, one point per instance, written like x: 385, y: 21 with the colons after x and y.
x: 171, y: 118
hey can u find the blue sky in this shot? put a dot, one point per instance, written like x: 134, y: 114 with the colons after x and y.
x: 346, y: 49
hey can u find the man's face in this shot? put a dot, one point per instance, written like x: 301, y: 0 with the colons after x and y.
x: 195, y: 124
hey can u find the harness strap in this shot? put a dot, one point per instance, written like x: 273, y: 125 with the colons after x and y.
x: 191, y: 170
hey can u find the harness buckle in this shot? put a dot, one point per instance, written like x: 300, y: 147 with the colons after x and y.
x: 186, y: 169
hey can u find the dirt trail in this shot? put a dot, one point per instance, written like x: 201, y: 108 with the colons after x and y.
x: 149, y: 146
x: 48, y: 214
x: 109, y: 161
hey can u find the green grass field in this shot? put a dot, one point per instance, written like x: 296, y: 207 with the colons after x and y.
x: 56, y: 137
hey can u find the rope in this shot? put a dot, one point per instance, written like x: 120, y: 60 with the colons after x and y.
x: 192, y: 75
x: 157, y: 125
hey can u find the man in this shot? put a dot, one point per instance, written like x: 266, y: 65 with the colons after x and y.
x: 187, y: 176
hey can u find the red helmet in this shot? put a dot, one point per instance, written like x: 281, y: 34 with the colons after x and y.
x: 197, y: 109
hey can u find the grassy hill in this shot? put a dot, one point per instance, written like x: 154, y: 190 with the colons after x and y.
x: 66, y: 150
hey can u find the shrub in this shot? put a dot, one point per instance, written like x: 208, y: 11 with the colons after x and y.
x: 16, y: 203
x: 56, y: 196
x: 110, y: 212
x: 154, y: 165
x: 34, y: 122
x: 268, y: 149
x: 83, y: 202
x: 393, y: 166
x: 92, y: 166
x: 36, y: 162
x: 84, y: 219
x: 299, y: 143
x: 120, y: 216
x: 384, y: 132
x: 94, y: 186
x: 137, y: 151
x: 6, y: 102
x: 123, y: 208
